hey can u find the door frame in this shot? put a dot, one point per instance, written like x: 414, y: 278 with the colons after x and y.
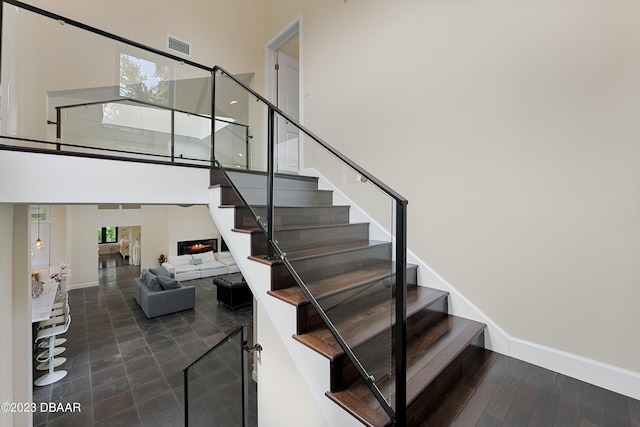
x: 293, y: 29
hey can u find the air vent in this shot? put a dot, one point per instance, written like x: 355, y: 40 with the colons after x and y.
x: 178, y: 45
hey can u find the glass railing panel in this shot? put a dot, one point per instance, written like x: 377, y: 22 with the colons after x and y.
x: 232, y: 144
x: 49, y: 64
x: 347, y: 266
x: 192, y: 138
x: 117, y: 127
x: 240, y: 144
x: 214, y: 385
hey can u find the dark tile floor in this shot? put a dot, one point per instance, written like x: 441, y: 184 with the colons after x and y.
x: 127, y: 370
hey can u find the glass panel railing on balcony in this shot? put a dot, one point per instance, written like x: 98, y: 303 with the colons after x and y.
x: 123, y: 91
x: 217, y: 388
x: 232, y: 144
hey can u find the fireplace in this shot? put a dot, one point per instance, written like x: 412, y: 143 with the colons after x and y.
x: 189, y: 247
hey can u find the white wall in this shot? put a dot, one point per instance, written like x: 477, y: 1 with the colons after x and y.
x: 42, y: 178
x: 512, y: 129
x: 6, y: 308
x: 17, y: 376
x: 189, y: 223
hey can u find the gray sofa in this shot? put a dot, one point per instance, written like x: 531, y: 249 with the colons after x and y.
x: 159, y: 294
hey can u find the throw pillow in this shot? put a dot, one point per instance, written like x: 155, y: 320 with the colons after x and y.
x: 154, y: 284
x: 196, y: 261
x: 160, y: 271
x: 147, y: 276
x: 168, y: 283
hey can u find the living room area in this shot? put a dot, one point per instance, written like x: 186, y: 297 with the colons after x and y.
x: 123, y: 367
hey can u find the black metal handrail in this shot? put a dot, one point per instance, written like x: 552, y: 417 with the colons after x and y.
x: 37, y: 150
x: 173, y: 110
x: 382, y: 186
x: 398, y: 416
x: 148, y: 104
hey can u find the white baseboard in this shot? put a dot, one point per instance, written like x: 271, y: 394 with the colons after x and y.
x: 603, y: 375
x: 82, y: 285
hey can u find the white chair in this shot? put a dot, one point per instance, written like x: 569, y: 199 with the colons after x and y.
x: 58, y: 313
x: 52, y: 376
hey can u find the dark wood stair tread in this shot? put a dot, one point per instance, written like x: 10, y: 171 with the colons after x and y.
x: 356, y: 330
x: 336, y: 284
x: 428, y: 356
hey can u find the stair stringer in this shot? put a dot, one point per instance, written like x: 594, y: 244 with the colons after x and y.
x: 496, y: 338
x: 275, y: 327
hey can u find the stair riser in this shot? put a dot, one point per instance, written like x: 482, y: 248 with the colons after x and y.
x: 247, y: 179
x: 291, y: 240
x: 295, y: 216
x: 372, y: 353
x: 463, y: 365
x: 308, y: 318
x: 324, y: 266
x: 255, y: 196
x: 256, y: 180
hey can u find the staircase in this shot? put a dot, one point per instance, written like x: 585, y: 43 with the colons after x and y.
x: 352, y: 277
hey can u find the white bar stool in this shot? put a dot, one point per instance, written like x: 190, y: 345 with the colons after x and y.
x: 52, y: 376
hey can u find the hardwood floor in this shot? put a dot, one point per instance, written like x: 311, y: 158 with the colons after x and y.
x: 510, y: 392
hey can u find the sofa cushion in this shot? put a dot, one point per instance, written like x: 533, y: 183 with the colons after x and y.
x: 168, y: 283
x: 160, y: 271
x: 196, y: 261
x: 225, y: 256
x: 205, y: 256
x: 186, y: 267
x: 146, y: 276
x: 179, y: 259
x: 154, y: 284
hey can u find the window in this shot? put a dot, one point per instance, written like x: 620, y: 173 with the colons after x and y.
x: 144, y: 80
x: 107, y: 234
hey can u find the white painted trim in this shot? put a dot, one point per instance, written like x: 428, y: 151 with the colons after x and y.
x: 288, y: 32
x: 603, y: 375
x: 82, y: 286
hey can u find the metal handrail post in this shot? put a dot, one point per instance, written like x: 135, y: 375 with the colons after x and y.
x: 58, y: 127
x: 213, y: 117
x: 173, y: 135
x: 244, y: 368
x: 401, y: 313
x: 270, y: 180
x: 186, y: 397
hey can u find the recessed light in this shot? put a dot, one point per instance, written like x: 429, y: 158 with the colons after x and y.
x: 240, y: 154
x: 233, y: 102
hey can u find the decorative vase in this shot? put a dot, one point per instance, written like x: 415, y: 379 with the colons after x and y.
x: 59, y: 290
x: 36, y: 288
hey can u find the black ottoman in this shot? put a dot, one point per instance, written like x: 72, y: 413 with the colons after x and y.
x: 233, y: 291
